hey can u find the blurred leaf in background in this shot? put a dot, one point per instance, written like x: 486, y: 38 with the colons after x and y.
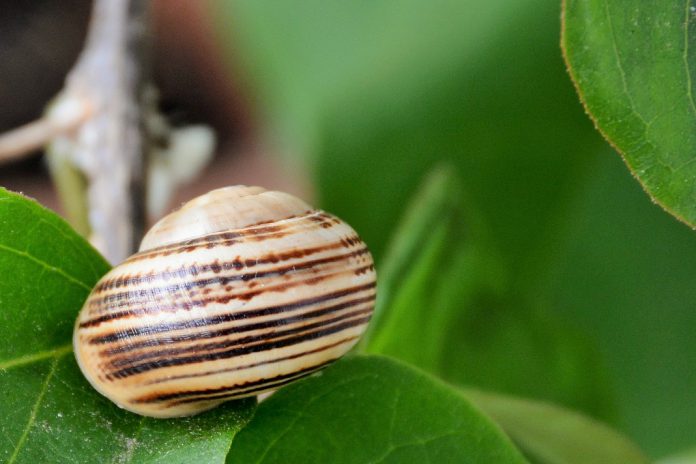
x: 626, y: 273
x: 372, y: 95
x: 444, y: 305
x: 688, y: 457
x: 548, y: 434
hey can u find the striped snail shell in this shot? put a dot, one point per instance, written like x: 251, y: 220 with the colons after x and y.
x: 239, y: 292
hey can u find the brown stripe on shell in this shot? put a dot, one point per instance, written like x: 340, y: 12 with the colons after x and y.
x: 147, y: 293
x: 184, y: 304
x: 244, y: 392
x: 216, y: 267
x: 261, y: 233
x: 250, y: 390
x: 253, y: 390
x: 256, y: 364
x: 241, y: 232
x: 211, y: 399
x: 234, y: 352
x: 209, y: 393
x: 119, y: 362
x: 189, y: 301
x: 243, y: 312
x: 201, y: 327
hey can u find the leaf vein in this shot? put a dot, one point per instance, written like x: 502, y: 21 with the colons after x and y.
x: 685, y: 58
x: 35, y: 410
x: 620, y: 67
x: 80, y: 249
x: 36, y: 357
x: 46, y: 266
x: 423, y: 442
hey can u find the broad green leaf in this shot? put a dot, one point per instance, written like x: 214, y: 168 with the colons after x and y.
x: 633, y: 62
x: 444, y: 305
x: 48, y: 411
x: 549, y: 434
x: 370, y: 410
x: 47, y: 270
x: 688, y: 457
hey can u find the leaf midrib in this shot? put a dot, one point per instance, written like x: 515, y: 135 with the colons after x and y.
x: 36, y: 357
x: 46, y: 266
x: 37, y: 405
x: 619, y: 64
x: 685, y: 58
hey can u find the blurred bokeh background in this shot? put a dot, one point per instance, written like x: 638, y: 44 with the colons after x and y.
x: 351, y: 104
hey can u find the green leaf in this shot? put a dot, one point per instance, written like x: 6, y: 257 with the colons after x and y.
x: 549, y: 434
x: 48, y: 411
x: 496, y: 344
x: 633, y: 62
x: 435, y: 260
x: 444, y: 305
x: 436, y: 264
x: 370, y: 410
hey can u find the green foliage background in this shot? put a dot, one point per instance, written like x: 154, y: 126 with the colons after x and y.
x: 372, y: 95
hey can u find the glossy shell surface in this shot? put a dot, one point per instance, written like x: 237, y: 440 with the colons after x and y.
x: 239, y: 292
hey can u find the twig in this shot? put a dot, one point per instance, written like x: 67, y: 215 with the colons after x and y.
x: 108, y: 147
x: 24, y: 140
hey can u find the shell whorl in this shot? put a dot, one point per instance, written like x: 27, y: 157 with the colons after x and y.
x: 227, y: 208
x: 238, y: 292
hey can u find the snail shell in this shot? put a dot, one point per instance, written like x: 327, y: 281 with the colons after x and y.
x: 239, y: 292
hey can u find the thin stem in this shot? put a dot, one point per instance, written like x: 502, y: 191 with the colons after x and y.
x: 30, y: 137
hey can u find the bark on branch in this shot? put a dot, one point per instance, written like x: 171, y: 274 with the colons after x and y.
x: 109, y: 146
